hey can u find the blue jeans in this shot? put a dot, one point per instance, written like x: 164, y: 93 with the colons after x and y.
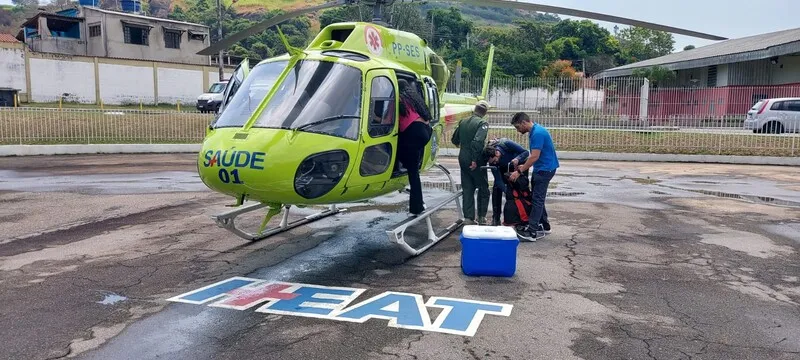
x: 541, y: 180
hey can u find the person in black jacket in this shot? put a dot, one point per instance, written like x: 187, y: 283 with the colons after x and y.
x: 502, y: 154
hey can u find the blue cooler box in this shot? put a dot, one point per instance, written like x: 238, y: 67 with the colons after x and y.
x: 489, y: 250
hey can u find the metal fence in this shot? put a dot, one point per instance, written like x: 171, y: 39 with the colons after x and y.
x: 570, y: 131
x: 626, y: 98
x: 49, y: 126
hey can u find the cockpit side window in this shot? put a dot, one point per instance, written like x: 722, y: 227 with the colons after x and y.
x: 381, y: 107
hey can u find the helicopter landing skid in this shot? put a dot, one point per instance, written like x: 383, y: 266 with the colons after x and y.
x: 227, y: 221
x: 396, y: 235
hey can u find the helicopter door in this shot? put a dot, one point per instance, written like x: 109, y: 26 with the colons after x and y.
x: 375, y: 161
x: 239, y: 74
x: 434, y: 107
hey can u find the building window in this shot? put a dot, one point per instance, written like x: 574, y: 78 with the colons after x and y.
x: 196, y: 36
x: 712, y: 76
x: 94, y: 30
x: 172, y: 39
x: 136, y: 35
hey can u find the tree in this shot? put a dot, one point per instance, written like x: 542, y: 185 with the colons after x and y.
x: 657, y: 75
x: 639, y: 44
x: 589, y: 37
x: 564, y: 78
x: 449, y: 28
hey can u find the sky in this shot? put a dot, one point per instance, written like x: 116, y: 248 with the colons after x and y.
x: 727, y: 18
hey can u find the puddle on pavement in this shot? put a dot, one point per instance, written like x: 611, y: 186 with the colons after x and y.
x: 565, y: 193
x: 765, y: 200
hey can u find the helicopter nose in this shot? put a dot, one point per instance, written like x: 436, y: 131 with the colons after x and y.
x: 277, y: 169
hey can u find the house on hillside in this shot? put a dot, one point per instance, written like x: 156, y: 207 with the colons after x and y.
x: 719, y: 80
x: 91, y: 31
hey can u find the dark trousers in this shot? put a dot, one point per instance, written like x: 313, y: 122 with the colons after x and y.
x: 410, y: 148
x: 471, y: 180
x: 541, y: 180
x: 497, y: 202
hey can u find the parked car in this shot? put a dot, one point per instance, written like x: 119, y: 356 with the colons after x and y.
x: 209, y: 101
x: 774, y: 116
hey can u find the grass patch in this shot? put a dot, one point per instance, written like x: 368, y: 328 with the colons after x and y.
x: 28, y: 126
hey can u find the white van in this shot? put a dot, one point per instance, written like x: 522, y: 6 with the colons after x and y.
x: 774, y: 116
x: 209, y: 101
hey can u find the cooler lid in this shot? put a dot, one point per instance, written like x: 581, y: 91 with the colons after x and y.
x: 489, y: 232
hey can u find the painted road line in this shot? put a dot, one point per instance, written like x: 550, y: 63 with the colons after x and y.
x: 402, y: 310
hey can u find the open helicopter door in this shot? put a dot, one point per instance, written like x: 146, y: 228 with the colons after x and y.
x: 378, y: 140
x: 236, y: 80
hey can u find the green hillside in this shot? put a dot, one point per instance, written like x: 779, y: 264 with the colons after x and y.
x: 480, y: 15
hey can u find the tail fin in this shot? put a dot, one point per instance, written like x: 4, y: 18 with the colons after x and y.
x: 487, y: 76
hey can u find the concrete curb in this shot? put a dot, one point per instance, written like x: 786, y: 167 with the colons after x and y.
x: 32, y: 150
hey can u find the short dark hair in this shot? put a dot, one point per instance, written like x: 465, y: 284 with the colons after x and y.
x: 519, y: 117
x: 489, y: 152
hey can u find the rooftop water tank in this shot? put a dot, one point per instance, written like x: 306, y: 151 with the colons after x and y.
x: 95, y: 3
x: 131, y: 6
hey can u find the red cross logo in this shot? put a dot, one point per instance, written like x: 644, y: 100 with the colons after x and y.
x: 373, y: 40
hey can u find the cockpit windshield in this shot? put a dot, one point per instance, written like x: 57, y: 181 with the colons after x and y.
x: 316, y: 96
x: 250, y: 94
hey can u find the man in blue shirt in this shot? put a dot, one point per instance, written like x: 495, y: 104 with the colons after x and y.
x: 504, y: 155
x: 544, y: 161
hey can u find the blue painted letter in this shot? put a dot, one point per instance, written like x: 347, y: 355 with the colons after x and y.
x: 212, y: 291
x: 462, y: 317
x: 333, y: 299
x: 401, y: 309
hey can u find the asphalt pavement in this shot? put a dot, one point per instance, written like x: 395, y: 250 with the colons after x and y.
x: 116, y: 257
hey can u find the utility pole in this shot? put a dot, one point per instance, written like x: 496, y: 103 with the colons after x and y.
x: 219, y: 37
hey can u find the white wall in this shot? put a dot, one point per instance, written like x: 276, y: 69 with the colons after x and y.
x: 214, y: 77
x: 120, y: 81
x: 178, y: 84
x: 123, y: 84
x: 535, y: 98
x: 722, y: 75
x: 50, y: 78
x: 12, y: 69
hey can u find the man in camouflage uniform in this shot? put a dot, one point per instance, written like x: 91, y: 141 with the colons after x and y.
x: 471, y: 137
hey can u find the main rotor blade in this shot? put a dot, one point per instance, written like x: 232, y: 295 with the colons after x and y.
x: 266, y: 24
x: 585, y: 14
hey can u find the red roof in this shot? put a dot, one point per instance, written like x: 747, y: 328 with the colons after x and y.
x: 8, y: 38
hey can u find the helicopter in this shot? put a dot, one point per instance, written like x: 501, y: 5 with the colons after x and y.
x: 319, y: 125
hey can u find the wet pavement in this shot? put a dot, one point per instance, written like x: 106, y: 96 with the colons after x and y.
x: 646, y: 260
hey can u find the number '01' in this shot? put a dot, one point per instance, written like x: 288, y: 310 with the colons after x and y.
x: 226, y: 178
